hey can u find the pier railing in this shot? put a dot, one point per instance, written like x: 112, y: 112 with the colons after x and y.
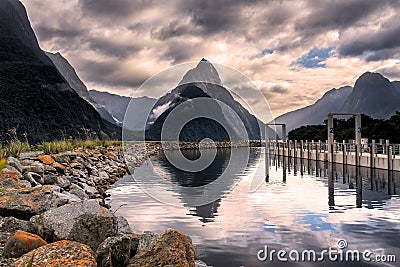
x: 381, y: 155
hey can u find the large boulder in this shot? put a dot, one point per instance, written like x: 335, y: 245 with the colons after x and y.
x: 85, y: 222
x: 27, y: 202
x: 20, y: 243
x: 114, y: 252
x: 62, y: 253
x: 11, y: 225
x: 171, y: 248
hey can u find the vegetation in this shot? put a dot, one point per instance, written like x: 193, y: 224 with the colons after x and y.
x: 15, y: 147
x: 344, y: 129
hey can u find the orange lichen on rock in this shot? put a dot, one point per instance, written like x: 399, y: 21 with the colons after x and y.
x: 9, y: 174
x: 46, y: 159
x: 62, y: 253
x: 20, y: 243
x: 170, y: 248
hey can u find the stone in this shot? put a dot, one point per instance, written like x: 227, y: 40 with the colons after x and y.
x: 114, y: 251
x: 11, y: 225
x: 199, y: 263
x: 170, y: 248
x: 13, y: 162
x: 38, y: 178
x: 79, y: 192
x: 145, y: 240
x: 6, y: 262
x: 10, y: 172
x: 28, y: 177
x: 62, y: 253
x: 49, y: 169
x: 91, y: 191
x: 103, y: 175
x: 20, y: 243
x: 46, y: 159
x: 36, y: 167
x: 68, y: 197
x: 86, y: 222
x: 30, y: 155
x: 59, y: 167
x: 27, y: 202
x: 56, y: 180
x: 123, y: 226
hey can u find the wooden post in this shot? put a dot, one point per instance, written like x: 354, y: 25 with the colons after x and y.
x: 390, y: 179
x: 301, y: 150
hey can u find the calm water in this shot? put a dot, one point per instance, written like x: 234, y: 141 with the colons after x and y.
x: 304, y: 205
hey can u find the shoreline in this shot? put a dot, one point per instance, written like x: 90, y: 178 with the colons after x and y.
x: 35, y: 187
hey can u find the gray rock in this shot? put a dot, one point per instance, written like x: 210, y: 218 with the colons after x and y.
x: 114, y: 252
x: 10, y: 184
x: 103, y: 175
x: 13, y: 162
x: 35, y: 167
x: 49, y: 169
x: 145, y: 240
x: 27, y: 202
x: 30, y: 155
x: 28, y: 177
x: 56, y: 180
x: 11, y: 224
x: 79, y: 192
x: 85, y: 222
x: 123, y: 226
x: 6, y: 262
x: 91, y: 191
x: 199, y: 263
x: 68, y: 197
x: 38, y: 178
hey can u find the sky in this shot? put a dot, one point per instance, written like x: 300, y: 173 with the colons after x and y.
x: 293, y: 51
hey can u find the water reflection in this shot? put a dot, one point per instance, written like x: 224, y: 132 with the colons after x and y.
x: 302, y: 205
x: 371, y: 187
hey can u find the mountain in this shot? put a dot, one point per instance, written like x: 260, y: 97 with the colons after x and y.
x: 373, y: 95
x: 202, y: 82
x: 331, y: 101
x: 72, y: 78
x: 117, y: 105
x: 36, y: 102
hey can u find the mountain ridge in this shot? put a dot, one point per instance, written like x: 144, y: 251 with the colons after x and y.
x: 367, y: 97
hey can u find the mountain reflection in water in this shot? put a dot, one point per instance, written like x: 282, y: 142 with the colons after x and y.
x: 303, y: 205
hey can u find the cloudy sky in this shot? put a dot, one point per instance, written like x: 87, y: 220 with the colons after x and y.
x: 294, y: 51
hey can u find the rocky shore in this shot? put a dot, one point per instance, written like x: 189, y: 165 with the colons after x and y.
x: 53, y: 213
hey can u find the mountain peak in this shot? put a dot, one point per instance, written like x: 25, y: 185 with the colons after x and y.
x: 204, y: 72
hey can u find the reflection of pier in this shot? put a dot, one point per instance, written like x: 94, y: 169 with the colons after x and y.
x: 371, y: 187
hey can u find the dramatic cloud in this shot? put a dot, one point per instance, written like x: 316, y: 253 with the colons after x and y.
x: 290, y: 49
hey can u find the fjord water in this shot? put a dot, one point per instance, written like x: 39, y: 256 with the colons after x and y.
x: 304, y: 205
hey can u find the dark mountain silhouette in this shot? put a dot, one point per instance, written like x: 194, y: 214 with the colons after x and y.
x: 35, y: 100
x: 373, y: 95
x: 331, y: 101
x: 70, y: 75
x: 203, y: 81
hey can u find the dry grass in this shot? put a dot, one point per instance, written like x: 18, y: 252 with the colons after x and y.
x: 15, y: 147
